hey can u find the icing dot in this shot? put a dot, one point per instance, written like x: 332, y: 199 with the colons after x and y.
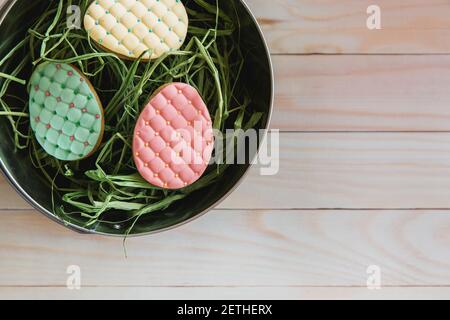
x: 146, y: 164
x: 58, y: 66
x: 58, y: 99
x: 147, y: 144
x: 72, y: 105
x: 97, y: 116
x: 156, y: 175
x: 69, y: 73
x: 37, y: 119
x: 48, y: 125
x: 47, y: 93
x: 84, y: 110
x: 81, y: 79
x: 72, y: 138
x: 86, y: 144
x: 137, y: 154
x: 36, y: 88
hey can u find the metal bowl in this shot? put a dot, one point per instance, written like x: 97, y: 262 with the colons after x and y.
x: 15, y: 164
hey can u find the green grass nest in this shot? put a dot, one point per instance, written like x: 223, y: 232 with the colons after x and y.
x: 106, y: 188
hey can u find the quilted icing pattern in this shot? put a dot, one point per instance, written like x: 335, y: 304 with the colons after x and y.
x: 131, y: 27
x: 173, y: 139
x: 65, y: 113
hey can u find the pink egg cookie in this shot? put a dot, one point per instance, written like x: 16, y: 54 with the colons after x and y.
x: 173, y: 139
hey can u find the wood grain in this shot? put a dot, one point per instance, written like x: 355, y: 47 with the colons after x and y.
x: 353, y: 170
x: 225, y: 293
x: 237, y: 249
x: 339, y: 27
x: 362, y: 93
x: 284, y: 236
x: 341, y: 170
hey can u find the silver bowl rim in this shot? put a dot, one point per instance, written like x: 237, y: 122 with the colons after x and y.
x: 4, y: 10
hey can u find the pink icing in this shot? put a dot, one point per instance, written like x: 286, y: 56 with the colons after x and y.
x: 173, y: 138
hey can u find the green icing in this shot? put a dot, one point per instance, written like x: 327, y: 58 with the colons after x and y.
x: 87, y: 120
x: 57, y: 122
x: 55, y: 89
x: 52, y: 136
x: 69, y: 128
x: 81, y: 134
x: 50, y: 70
x: 50, y: 104
x: 62, y: 109
x: 44, y: 84
x: 65, y: 116
x: 67, y: 95
x: 80, y: 100
x: 46, y: 115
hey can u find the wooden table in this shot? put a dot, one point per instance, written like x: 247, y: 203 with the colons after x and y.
x: 364, y: 179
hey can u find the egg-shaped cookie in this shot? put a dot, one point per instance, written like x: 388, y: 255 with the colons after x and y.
x: 131, y: 27
x: 66, y: 114
x: 173, y: 139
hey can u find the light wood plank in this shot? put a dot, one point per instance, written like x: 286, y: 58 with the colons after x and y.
x: 353, y: 170
x: 342, y: 170
x: 9, y: 198
x: 362, y: 93
x: 337, y: 26
x: 238, y: 248
x: 226, y: 293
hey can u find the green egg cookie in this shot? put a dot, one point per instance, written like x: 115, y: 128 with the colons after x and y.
x: 66, y: 114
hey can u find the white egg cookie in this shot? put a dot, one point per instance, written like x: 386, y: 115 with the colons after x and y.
x: 132, y: 27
